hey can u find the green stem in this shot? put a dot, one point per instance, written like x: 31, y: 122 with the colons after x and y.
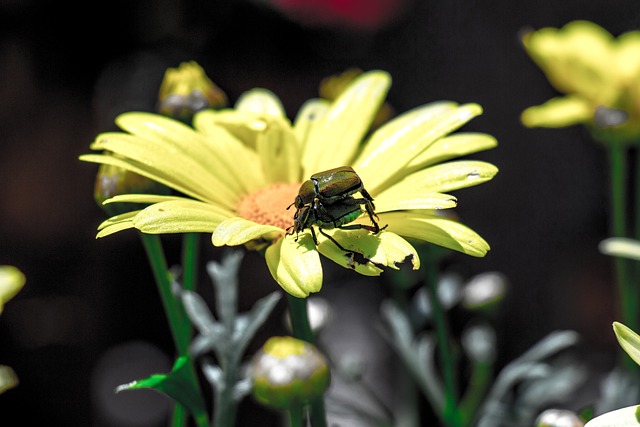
x: 406, y: 410
x: 300, y: 319
x: 479, y: 381
x: 296, y: 416
x: 190, y: 254
x: 302, y: 330
x: 627, y: 291
x: 447, y: 358
x: 178, y: 321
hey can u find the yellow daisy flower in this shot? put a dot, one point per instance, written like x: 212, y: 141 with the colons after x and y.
x: 239, y: 169
x: 599, y: 74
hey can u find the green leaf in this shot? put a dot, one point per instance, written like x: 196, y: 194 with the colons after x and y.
x: 176, y: 385
x: 629, y: 340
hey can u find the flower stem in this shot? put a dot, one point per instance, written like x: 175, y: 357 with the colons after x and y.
x: 627, y: 291
x: 179, y: 323
x: 300, y: 319
x: 190, y: 253
x: 302, y: 330
x: 451, y: 414
x: 296, y: 416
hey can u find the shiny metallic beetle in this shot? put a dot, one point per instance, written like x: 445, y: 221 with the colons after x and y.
x: 334, y: 185
x: 326, y: 200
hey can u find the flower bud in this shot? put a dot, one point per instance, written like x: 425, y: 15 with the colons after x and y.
x: 558, y: 418
x: 484, y: 291
x: 186, y: 90
x: 288, y: 372
x: 113, y: 180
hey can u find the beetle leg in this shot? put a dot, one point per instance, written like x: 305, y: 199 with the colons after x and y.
x: 351, y: 254
x: 367, y: 196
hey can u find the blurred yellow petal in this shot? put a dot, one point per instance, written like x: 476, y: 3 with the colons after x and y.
x: 261, y: 102
x: 621, y: 246
x: 624, y: 417
x: 8, y: 378
x: 627, y: 64
x: 397, y: 149
x: 576, y: 58
x: 558, y: 112
x: 336, y: 137
x: 295, y: 265
x: 435, y: 229
x: 238, y: 231
x: 12, y: 281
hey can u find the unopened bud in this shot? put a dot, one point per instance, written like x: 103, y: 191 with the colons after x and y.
x: 186, y: 90
x: 288, y: 372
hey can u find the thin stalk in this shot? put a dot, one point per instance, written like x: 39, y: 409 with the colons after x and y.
x: 627, y: 291
x: 447, y: 358
x: 302, y: 330
x: 179, y: 323
x: 296, y: 416
x: 481, y: 376
x: 190, y: 255
x: 406, y: 410
x: 300, y: 319
x: 178, y: 320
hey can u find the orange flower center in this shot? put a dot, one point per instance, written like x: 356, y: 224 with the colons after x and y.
x: 269, y: 205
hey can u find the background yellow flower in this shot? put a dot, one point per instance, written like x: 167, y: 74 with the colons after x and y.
x: 593, y: 69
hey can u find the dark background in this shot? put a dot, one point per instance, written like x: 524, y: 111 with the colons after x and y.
x: 66, y: 70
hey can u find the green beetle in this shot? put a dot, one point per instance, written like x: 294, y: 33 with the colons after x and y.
x: 334, y: 186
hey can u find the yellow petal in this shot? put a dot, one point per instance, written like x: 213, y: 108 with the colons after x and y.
x: 558, y: 112
x: 624, y: 417
x: 109, y: 229
x: 238, y: 231
x: 279, y: 152
x: 336, y: 137
x: 412, y: 198
x: 8, y: 378
x: 452, y: 146
x: 116, y: 219
x: 12, y: 281
x: 295, y: 265
x: 440, y: 178
x: 437, y: 230
x: 309, y: 116
x: 627, y: 64
x: 179, y: 216
x: 577, y: 58
x: 396, y: 149
x: 360, y: 241
x: 205, y: 156
x: 177, y: 171
x: 261, y: 102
